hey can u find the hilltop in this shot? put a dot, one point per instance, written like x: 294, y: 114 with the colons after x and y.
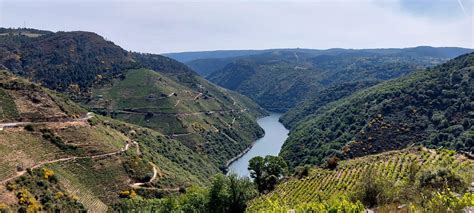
x: 432, y: 107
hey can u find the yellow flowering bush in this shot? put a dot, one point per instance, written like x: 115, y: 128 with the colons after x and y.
x: 47, y: 173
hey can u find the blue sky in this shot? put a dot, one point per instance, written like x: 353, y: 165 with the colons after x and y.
x: 440, y: 9
x: 188, y: 25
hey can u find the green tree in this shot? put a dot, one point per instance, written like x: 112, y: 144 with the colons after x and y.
x: 194, y: 200
x: 267, y: 171
x: 241, y: 190
x: 218, y: 195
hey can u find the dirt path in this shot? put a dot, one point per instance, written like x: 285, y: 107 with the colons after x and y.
x: 20, y: 173
x: 88, y: 116
x: 155, y: 174
x: 180, y: 113
x: 182, y: 134
x: 197, y: 96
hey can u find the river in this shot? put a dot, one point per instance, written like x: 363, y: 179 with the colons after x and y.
x: 269, y: 144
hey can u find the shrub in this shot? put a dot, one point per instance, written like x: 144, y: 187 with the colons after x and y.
x: 374, y: 191
x: 332, y: 162
x: 29, y: 128
x: 302, y: 171
x: 440, y: 179
x: 450, y: 202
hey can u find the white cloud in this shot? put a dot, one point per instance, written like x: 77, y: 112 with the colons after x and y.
x: 165, y: 26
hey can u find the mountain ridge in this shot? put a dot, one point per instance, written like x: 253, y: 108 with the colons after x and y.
x: 280, y: 79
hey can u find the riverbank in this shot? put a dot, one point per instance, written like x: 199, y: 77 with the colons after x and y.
x: 270, y: 144
x: 232, y: 160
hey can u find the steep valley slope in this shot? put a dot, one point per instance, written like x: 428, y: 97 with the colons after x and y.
x: 144, y: 89
x: 433, y: 107
x: 52, y: 147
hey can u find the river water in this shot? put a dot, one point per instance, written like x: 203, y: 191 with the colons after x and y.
x: 270, y: 144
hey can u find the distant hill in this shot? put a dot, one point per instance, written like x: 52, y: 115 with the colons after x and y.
x: 207, y: 62
x: 280, y: 79
x: 190, y: 56
x: 51, y: 147
x: 207, y: 66
x: 432, y: 107
x: 144, y: 89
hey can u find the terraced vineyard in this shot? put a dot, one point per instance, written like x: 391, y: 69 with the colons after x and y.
x: 323, y: 184
x: 84, y: 196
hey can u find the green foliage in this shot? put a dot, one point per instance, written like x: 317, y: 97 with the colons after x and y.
x: 135, y: 99
x: 267, y: 172
x: 430, y: 107
x: 30, y: 128
x: 373, y: 191
x: 138, y: 168
x: 302, y: 171
x: 39, y: 190
x: 412, y: 176
x: 56, y: 140
x: 315, y: 104
x: 439, y: 179
x: 225, y: 194
x: 8, y: 106
x: 279, y: 79
x: 448, y: 201
x: 336, y: 205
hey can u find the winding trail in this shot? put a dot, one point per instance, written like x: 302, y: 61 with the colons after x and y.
x: 88, y: 116
x: 155, y: 174
x: 20, y: 173
x: 197, y: 96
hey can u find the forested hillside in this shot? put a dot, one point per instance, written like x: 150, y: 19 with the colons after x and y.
x: 312, y: 105
x: 432, y: 107
x: 280, y: 79
x: 64, y: 61
x: 144, y: 89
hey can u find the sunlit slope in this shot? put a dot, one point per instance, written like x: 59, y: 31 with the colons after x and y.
x: 394, y: 167
x: 84, y: 156
x: 134, y: 87
x: 207, y: 119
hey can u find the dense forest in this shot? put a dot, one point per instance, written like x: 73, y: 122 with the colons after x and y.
x: 432, y: 107
x: 312, y: 105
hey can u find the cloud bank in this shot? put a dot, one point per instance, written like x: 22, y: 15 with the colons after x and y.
x: 171, y: 26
